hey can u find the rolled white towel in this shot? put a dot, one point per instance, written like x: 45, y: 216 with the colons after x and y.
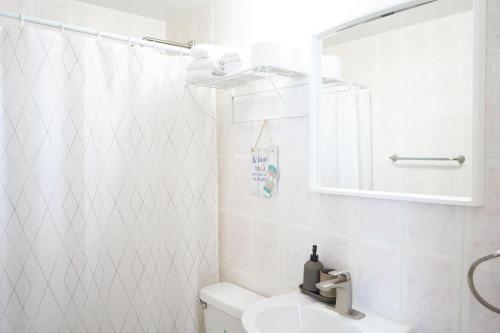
x: 230, y: 62
x: 232, y: 67
x: 217, y: 66
x: 204, y: 67
x: 200, y: 75
x: 205, y: 64
x: 200, y: 51
x: 227, y: 60
x: 230, y: 55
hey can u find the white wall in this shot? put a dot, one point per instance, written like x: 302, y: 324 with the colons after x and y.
x: 408, y: 260
x: 240, y: 23
x: 88, y: 15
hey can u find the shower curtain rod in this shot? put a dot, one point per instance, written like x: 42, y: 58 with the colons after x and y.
x: 94, y: 32
x: 187, y: 45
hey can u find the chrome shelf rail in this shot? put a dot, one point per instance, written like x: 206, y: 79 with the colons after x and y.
x: 470, y: 280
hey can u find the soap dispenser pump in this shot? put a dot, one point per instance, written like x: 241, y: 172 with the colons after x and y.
x: 312, y: 269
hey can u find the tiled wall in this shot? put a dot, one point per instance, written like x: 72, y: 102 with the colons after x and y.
x: 88, y: 15
x: 409, y: 260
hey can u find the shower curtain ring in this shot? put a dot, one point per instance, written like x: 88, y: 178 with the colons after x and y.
x: 21, y: 19
x: 62, y: 28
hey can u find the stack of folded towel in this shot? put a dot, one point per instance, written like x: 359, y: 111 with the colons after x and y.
x: 206, y: 66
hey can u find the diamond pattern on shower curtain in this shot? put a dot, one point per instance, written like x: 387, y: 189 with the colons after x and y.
x: 107, y: 188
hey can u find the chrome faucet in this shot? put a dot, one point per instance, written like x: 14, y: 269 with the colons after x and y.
x: 342, y: 282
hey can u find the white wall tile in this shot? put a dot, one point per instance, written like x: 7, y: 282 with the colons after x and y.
x: 181, y: 28
x: 246, y: 137
x: 336, y: 249
x: 240, y: 197
x: 293, y: 180
x: 242, y: 278
x: 431, y: 280
x: 295, y: 145
x: 377, y: 265
x: 482, y: 230
x: 115, y: 21
x: 224, y: 106
x: 235, y: 240
x: 26, y: 7
x: 225, y: 138
x: 297, y: 241
x: 266, y: 249
x: 266, y: 287
x: 58, y: 10
x: 435, y: 227
x: 331, y: 212
x: 380, y: 219
x: 223, y: 30
x: 204, y: 24
x: 224, y: 181
x: 493, y: 26
x: 271, y: 209
x: 493, y: 106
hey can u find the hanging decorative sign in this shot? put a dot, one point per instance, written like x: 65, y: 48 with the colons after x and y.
x: 264, y: 169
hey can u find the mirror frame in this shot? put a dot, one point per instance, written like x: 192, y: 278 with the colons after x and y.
x: 478, y: 119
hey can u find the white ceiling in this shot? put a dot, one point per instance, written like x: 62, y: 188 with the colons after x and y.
x: 159, y: 9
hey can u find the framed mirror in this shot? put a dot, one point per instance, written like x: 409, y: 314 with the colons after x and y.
x: 398, y: 104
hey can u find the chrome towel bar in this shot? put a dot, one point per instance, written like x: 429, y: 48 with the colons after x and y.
x: 470, y: 280
x: 460, y: 158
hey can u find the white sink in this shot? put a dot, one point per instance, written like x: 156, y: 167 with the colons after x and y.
x: 298, y: 313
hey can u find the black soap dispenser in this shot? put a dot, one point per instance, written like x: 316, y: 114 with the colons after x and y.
x: 311, y: 271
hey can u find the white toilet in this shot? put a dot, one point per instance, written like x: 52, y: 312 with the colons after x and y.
x: 225, y: 304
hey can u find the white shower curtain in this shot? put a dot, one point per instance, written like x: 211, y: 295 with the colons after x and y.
x: 346, y: 146
x: 108, y: 187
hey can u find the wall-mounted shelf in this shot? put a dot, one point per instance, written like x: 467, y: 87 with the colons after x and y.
x: 254, y: 80
x: 251, y: 77
x: 266, y: 79
x: 331, y: 82
x: 258, y: 77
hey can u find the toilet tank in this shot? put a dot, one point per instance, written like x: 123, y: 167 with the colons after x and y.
x: 225, y: 304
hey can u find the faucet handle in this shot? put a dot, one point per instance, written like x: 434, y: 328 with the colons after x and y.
x: 340, y: 274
